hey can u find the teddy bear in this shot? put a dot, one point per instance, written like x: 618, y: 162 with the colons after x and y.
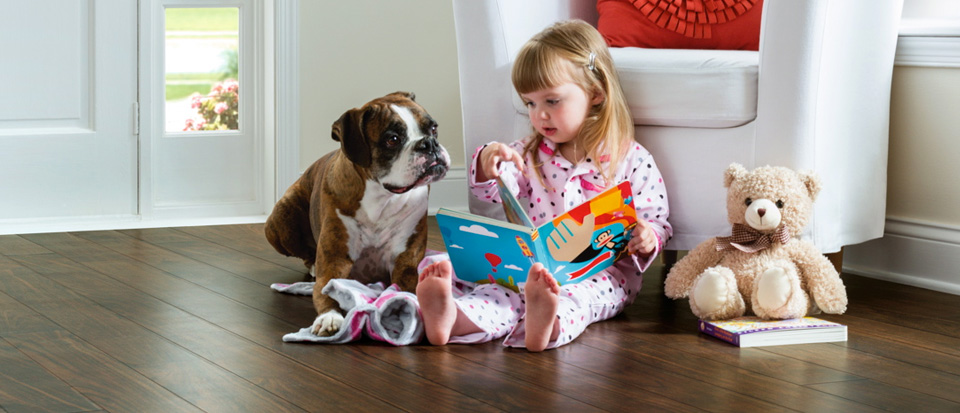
x: 762, y: 267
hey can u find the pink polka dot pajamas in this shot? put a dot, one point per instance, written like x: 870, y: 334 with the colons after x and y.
x: 498, y: 310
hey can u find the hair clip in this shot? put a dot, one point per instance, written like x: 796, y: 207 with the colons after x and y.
x: 591, y: 65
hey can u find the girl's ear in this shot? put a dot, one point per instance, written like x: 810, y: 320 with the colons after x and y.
x: 598, y: 98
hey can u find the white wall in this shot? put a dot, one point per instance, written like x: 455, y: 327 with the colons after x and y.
x: 921, y: 243
x: 354, y: 51
x: 923, y: 9
x: 925, y: 145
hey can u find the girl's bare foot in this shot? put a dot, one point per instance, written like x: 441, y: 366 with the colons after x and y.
x: 436, y: 302
x: 542, y: 301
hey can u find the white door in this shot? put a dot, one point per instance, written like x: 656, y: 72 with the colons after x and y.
x: 68, y: 85
x: 214, y: 163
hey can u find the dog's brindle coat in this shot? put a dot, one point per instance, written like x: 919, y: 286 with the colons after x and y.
x: 366, y: 203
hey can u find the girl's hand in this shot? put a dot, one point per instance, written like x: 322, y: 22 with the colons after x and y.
x: 644, y: 240
x: 492, y: 155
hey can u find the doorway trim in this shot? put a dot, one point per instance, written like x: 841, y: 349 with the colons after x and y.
x: 287, y: 75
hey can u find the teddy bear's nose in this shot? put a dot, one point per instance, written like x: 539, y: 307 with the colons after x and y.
x: 761, y: 212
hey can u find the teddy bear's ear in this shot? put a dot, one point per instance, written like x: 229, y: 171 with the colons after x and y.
x: 734, y: 172
x: 812, y: 182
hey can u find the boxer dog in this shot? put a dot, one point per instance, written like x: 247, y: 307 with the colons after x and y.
x: 360, y: 212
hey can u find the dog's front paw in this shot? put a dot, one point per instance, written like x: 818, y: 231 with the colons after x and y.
x: 327, y: 324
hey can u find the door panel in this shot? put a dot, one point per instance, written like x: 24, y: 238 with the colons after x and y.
x: 68, y: 84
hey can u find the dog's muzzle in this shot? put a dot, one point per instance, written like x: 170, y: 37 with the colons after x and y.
x: 434, y: 162
x: 437, y: 159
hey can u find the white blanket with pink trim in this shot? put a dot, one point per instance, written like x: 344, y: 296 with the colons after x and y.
x: 388, y: 315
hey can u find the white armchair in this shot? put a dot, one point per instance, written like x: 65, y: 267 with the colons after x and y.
x: 815, y: 97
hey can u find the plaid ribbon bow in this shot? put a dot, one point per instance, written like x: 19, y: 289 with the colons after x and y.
x: 749, y: 240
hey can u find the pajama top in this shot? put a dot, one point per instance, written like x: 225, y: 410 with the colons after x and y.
x: 498, y: 310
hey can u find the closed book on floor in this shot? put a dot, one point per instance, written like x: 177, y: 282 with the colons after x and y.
x: 750, y: 331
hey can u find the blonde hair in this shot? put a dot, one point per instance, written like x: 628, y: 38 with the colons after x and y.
x: 561, y: 53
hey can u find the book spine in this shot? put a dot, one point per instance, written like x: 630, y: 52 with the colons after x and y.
x: 724, y: 335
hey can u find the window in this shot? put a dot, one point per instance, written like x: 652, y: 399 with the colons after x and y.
x: 202, y: 91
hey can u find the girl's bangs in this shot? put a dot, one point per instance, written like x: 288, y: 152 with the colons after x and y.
x: 539, y: 68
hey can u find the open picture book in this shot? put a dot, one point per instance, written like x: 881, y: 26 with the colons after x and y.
x: 583, y: 241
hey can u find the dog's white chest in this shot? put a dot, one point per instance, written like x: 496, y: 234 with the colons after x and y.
x: 381, y: 229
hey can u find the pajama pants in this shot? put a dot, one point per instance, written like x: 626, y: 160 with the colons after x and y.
x: 498, y: 311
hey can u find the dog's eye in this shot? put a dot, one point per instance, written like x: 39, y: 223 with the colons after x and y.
x: 433, y: 130
x: 779, y: 204
x: 748, y: 201
x: 392, y: 141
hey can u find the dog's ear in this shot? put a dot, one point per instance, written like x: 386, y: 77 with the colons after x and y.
x: 348, y: 130
x: 408, y: 95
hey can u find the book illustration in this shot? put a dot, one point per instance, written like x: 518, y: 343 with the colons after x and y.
x: 487, y: 253
x: 511, y: 205
x: 573, y: 246
x: 749, y: 331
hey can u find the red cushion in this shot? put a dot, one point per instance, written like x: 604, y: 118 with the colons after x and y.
x: 681, y: 24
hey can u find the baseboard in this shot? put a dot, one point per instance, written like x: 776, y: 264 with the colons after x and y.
x: 118, y: 222
x: 451, y: 192
x: 916, y: 253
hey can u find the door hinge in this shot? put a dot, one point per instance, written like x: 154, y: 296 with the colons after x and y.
x: 136, y: 118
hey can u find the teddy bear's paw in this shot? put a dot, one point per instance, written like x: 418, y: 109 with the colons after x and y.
x: 715, y: 296
x: 673, y: 287
x: 835, y: 305
x: 773, y: 288
x: 779, y: 295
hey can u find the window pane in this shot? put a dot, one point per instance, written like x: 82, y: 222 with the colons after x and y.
x: 202, y: 61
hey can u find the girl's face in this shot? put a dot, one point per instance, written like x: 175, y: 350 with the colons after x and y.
x: 559, y: 112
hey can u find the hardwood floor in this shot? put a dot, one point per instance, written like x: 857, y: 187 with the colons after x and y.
x: 183, y: 319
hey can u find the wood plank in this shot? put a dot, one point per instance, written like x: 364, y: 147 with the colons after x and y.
x: 706, y: 373
x: 667, y: 323
x: 11, y: 245
x: 909, y: 336
x: 15, y: 317
x: 221, y: 332
x: 247, y: 238
x: 244, y: 265
x: 181, y: 293
x: 935, y: 383
x: 689, y: 341
x: 479, y: 381
x: 407, y: 390
x: 888, y: 397
x: 100, y: 378
x: 882, y: 294
x: 911, y: 304
x: 434, y: 239
x: 25, y: 386
x: 182, y: 319
x: 920, y: 319
x: 700, y: 392
x: 907, y: 353
x: 212, y: 278
x: 551, y: 371
x: 199, y: 342
x: 102, y: 328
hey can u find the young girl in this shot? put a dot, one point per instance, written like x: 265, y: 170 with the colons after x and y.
x: 582, y: 144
